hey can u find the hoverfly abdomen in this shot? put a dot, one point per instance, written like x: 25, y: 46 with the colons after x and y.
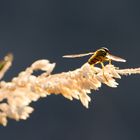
x: 99, y: 56
x: 94, y: 60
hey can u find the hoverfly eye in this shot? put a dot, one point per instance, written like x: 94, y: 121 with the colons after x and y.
x: 106, y: 49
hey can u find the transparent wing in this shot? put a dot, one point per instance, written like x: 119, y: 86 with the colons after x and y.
x: 115, y: 58
x: 78, y: 55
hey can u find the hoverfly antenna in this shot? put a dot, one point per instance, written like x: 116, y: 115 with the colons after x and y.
x: 106, y: 49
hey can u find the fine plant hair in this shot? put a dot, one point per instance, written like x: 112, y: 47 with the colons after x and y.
x: 16, y: 95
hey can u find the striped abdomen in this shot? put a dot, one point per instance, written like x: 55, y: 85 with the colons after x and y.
x: 99, y: 56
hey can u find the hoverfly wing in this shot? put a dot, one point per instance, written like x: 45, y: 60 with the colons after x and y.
x: 115, y: 58
x: 78, y: 55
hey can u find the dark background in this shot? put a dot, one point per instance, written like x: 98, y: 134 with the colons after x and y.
x: 36, y: 29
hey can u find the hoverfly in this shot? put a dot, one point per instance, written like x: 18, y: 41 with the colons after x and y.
x: 98, y: 57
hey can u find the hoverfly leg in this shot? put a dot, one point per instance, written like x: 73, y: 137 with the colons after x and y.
x: 110, y: 62
x: 102, y: 64
x: 92, y: 66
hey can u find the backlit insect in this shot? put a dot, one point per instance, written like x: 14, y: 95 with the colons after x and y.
x: 98, y: 57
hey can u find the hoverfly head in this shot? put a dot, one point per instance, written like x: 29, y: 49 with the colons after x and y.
x: 105, y: 49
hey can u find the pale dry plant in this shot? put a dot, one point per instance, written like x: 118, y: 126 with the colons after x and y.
x: 16, y: 95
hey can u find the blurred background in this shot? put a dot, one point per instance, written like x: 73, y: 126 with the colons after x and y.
x: 48, y: 29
